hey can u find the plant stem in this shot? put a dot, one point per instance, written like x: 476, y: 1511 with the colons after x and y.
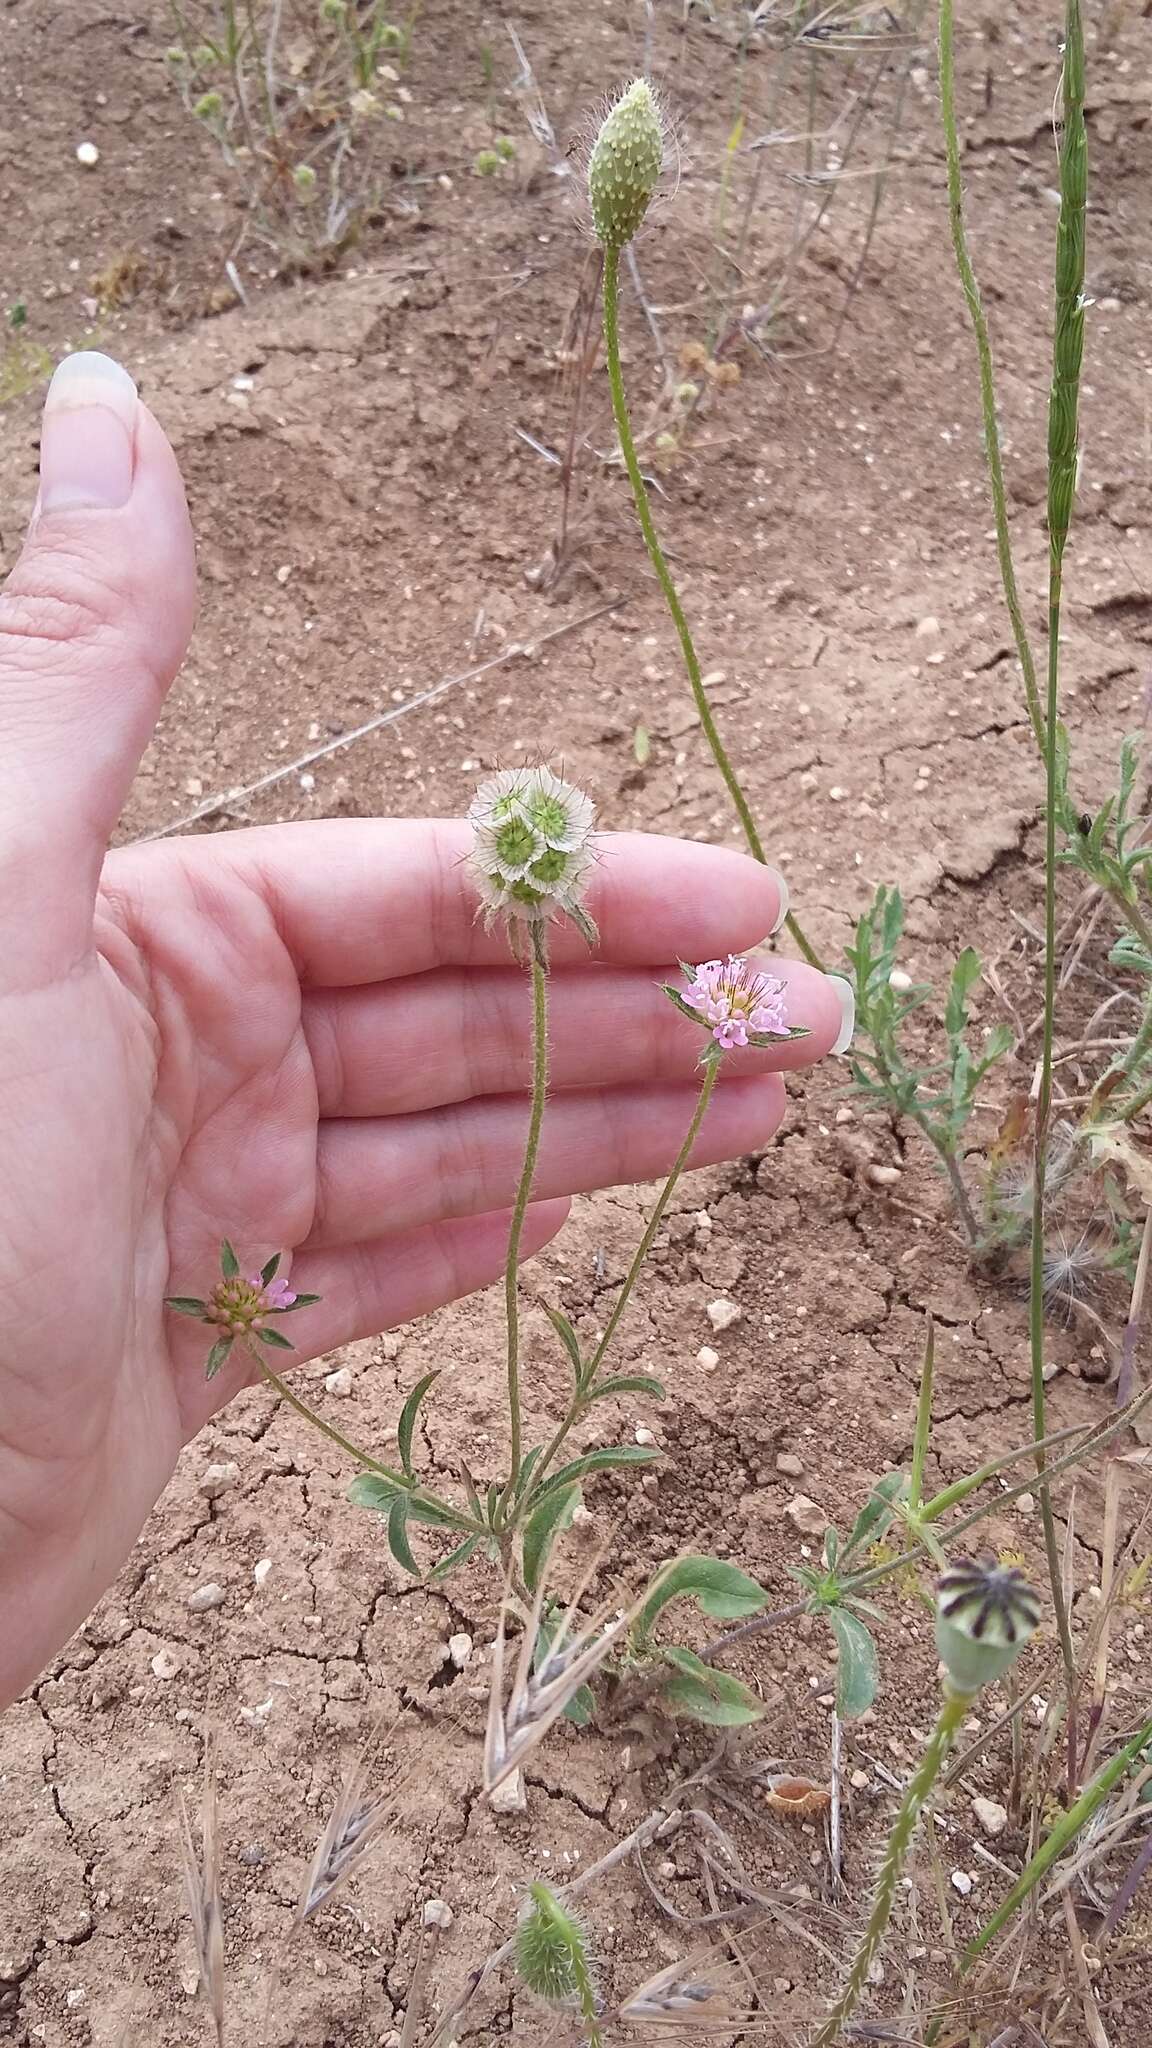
x: 949, y: 1721
x: 539, y: 973
x: 668, y: 587
x: 1137, y: 1103
x: 588, y: 1376
x: 396, y: 1479
x: 1062, y: 464
x: 987, y: 376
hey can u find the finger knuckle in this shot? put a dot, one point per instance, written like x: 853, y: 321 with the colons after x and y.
x: 59, y: 599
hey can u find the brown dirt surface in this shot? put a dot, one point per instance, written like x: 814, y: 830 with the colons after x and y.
x: 373, y: 526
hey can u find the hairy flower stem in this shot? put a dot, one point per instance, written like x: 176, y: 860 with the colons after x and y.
x: 987, y: 378
x: 668, y: 587
x: 592, y: 1367
x: 1063, y: 437
x: 948, y: 1724
x: 539, y: 973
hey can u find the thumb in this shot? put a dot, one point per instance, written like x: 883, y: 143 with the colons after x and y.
x: 94, y: 622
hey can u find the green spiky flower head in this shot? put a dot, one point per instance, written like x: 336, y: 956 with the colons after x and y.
x: 531, y: 847
x: 624, y: 167
x: 985, y: 1614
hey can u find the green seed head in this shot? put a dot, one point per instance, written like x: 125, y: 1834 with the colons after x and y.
x: 985, y: 1614
x: 625, y: 165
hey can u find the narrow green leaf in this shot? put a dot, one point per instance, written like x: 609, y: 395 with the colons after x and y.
x: 186, y: 1305
x: 301, y: 1301
x: 229, y: 1263
x: 454, y: 1559
x: 407, y: 1422
x: 542, y: 1527
x: 722, y: 1590
x: 597, y: 1461
x: 674, y: 996
x: 274, y: 1340
x: 398, y: 1542
x: 581, y: 1707
x: 627, y: 1383
x: 216, y: 1357
x: 858, y: 1674
x: 371, y: 1490
x: 965, y: 975
x: 567, y: 1336
x: 875, y: 1518
x: 700, y: 1693
x: 641, y: 745
x: 270, y: 1271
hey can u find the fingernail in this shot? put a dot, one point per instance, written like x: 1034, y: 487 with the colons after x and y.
x: 88, y: 435
x: 785, y: 899
x: 846, y: 997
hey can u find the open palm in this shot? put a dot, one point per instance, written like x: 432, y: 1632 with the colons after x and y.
x: 298, y: 1038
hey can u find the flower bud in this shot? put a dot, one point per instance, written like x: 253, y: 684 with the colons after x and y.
x: 985, y: 1614
x: 625, y: 165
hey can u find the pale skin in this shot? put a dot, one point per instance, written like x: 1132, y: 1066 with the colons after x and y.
x: 298, y: 1037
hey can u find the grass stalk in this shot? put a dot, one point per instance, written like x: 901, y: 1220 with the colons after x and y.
x: 975, y: 306
x: 539, y: 974
x: 956, y: 1706
x: 1063, y: 415
x: 611, y: 286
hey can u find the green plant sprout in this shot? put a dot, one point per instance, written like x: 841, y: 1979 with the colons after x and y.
x: 939, y: 1099
x: 302, y: 125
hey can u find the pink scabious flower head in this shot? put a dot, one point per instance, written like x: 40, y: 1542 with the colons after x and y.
x: 240, y: 1304
x: 736, y: 1003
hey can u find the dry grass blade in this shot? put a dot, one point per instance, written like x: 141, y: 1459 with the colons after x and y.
x: 539, y: 1695
x: 353, y: 1826
x: 677, y: 1997
x: 202, y: 1884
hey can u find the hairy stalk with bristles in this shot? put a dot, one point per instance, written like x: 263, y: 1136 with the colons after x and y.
x: 622, y: 177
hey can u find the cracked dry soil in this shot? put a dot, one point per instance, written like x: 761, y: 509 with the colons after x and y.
x: 368, y: 520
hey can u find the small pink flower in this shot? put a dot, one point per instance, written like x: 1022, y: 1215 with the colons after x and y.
x: 739, y: 1003
x: 277, y: 1293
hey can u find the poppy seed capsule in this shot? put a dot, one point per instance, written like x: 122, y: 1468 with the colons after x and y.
x: 985, y: 1614
x: 625, y: 165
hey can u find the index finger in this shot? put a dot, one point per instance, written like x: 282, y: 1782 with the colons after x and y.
x: 364, y: 900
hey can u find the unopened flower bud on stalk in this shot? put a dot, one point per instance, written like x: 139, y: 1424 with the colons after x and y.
x: 531, y: 848
x: 624, y: 167
x: 985, y: 1615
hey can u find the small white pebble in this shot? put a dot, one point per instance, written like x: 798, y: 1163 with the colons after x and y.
x: 257, y: 1716
x: 790, y: 1465
x: 87, y: 154
x: 1026, y: 1505
x: 703, y: 1221
x: 644, y: 1436
x: 437, y: 1914
x: 206, y: 1597
x: 581, y: 1516
x: 261, y: 1570
x: 459, y: 1650
x: 837, y: 794
x: 884, y: 1176
x: 899, y: 980
x: 845, y: 1114
x: 859, y: 1780
x: 217, y: 1479
x: 707, y: 1359
x: 76, y: 1997
x: 993, y: 1817
x: 307, y: 782
x: 339, y: 1383
x: 806, y: 1515
x: 926, y: 629
x: 722, y: 1314
x: 962, y: 1883
x: 283, y: 572
x: 165, y: 1664
x: 510, y: 1796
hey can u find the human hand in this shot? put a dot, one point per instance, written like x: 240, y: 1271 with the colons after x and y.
x: 295, y: 1037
